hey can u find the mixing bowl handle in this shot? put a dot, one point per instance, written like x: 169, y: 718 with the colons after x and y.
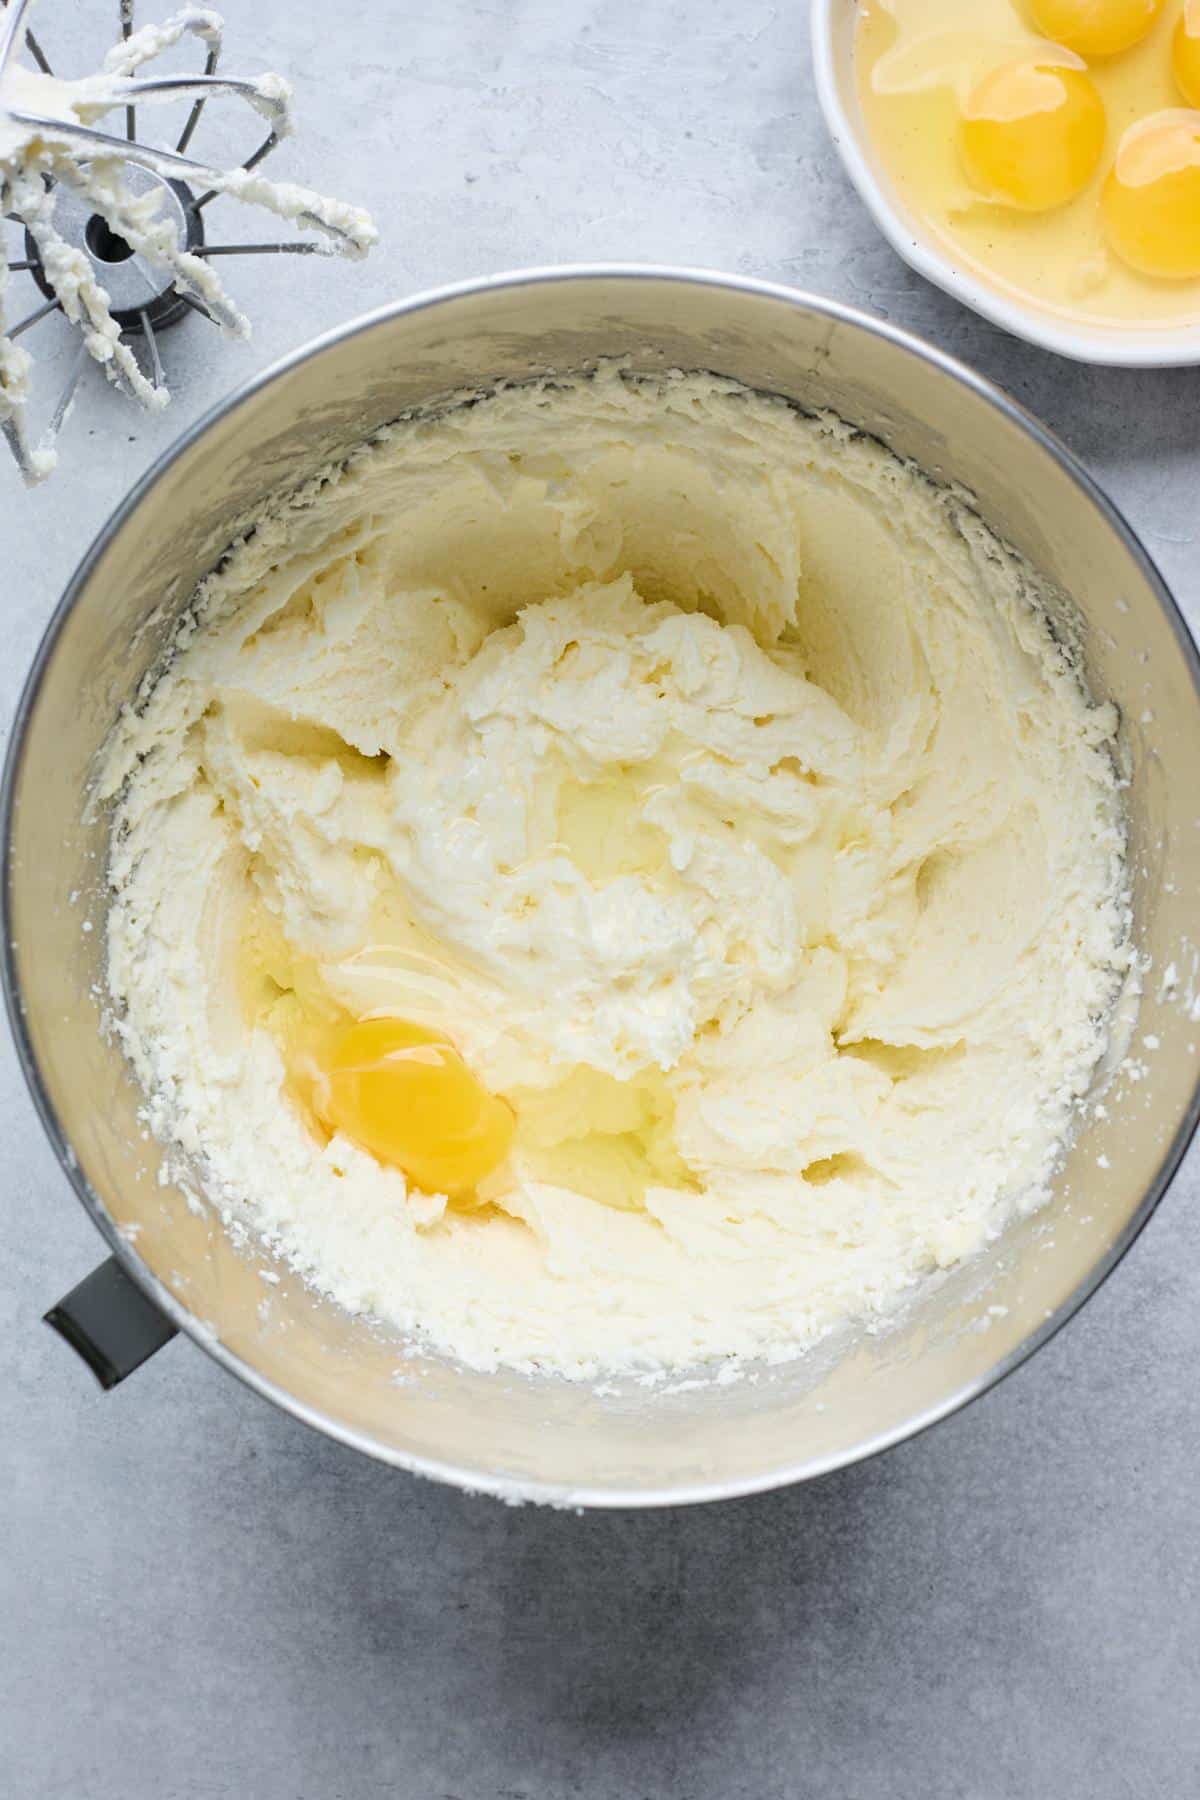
x: 110, y: 1323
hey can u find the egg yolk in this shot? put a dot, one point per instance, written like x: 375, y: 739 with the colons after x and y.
x: 1095, y: 27
x: 1151, y: 199
x: 1032, y: 134
x: 1185, y: 53
x: 406, y: 1095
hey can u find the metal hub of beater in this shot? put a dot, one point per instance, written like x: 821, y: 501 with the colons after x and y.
x: 139, y: 294
x: 113, y: 225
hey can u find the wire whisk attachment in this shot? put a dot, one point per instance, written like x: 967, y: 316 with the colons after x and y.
x: 114, y: 227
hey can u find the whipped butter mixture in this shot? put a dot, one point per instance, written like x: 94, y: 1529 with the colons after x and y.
x: 620, y: 875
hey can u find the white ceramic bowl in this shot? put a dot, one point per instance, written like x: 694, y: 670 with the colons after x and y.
x: 833, y: 33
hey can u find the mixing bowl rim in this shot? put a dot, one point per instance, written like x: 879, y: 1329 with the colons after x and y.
x: 504, y: 1486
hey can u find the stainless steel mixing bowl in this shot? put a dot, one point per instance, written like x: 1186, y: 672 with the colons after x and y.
x: 547, y: 1439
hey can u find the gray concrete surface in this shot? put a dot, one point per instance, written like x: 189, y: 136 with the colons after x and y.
x: 199, y: 1600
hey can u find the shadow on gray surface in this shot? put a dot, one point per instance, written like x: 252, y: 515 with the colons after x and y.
x: 1104, y: 415
x: 228, y: 1605
x: 571, y: 1643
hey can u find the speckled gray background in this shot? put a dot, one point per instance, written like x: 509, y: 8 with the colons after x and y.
x: 199, y: 1600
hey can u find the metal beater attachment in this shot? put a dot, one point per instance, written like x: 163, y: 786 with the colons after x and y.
x: 114, y: 228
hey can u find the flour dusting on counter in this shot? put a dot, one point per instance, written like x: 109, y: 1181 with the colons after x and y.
x: 714, y: 784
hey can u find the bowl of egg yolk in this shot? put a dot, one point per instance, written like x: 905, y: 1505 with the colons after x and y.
x: 1037, y: 159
